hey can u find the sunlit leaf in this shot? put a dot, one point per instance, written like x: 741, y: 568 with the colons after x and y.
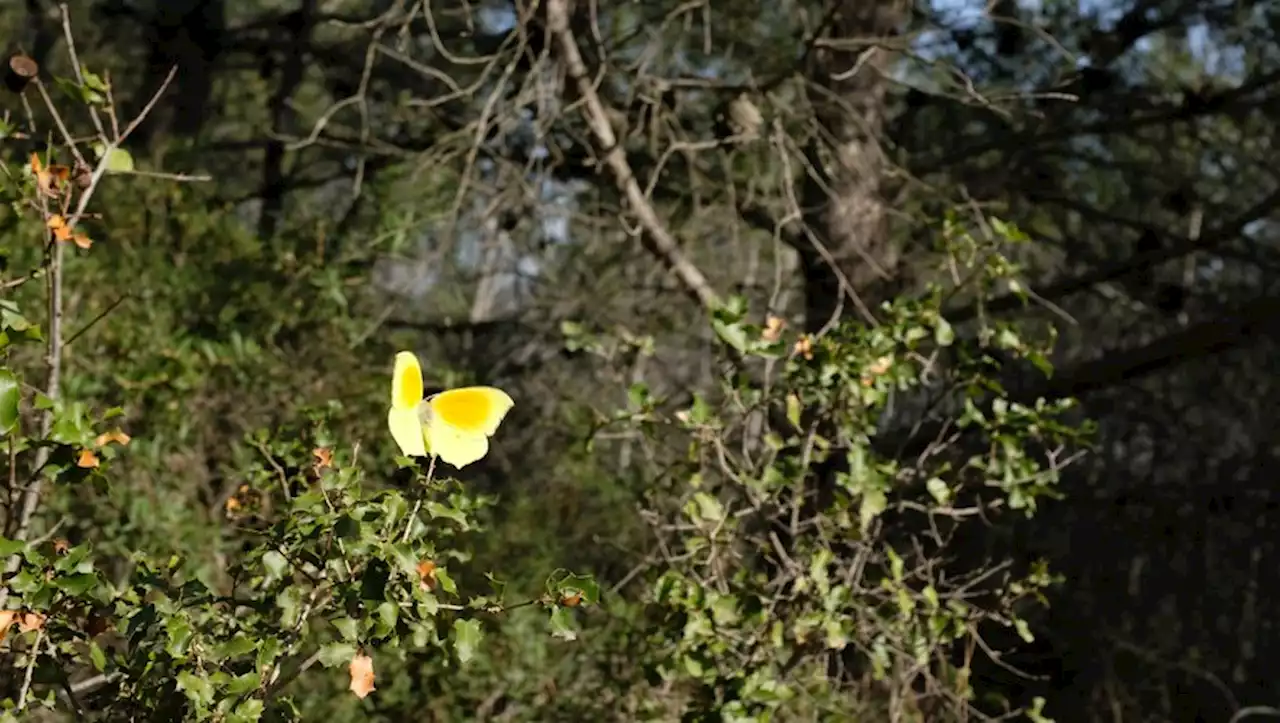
x: 10, y: 398
x: 466, y: 638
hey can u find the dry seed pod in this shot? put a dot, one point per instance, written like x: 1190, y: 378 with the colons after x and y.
x: 22, y: 70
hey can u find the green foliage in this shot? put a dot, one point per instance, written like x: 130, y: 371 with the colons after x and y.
x: 791, y: 542
x: 321, y: 562
x: 769, y: 552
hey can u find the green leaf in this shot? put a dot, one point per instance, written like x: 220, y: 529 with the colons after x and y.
x: 277, y: 565
x: 249, y: 711
x: 290, y: 603
x: 388, y: 614
x: 732, y: 334
x: 638, y: 396
x: 435, y: 509
x: 238, y: 646
x: 564, y: 584
x: 347, y: 528
x: 244, y: 683
x: 793, y: 410
x: 120, y: 161
x: 268, y: 649
x: 700, y: 411
x: 198, y: 689
x: 446, y: 583
x: 466, y: 639
x: 873, y: 503
x: 335, y: 654
x: 563, y: 626
x: 709, y: 508
x: 897, y: 566
x: 943, y: 333
x: 10, y: 397
x: 938, y: 490
x: 349, y: 628
x: 92, y: 80
x: 180, y: 634
x: 76, y: 584
x: 1024, y: 631
x: 97, y: 657
x: 10, y: 547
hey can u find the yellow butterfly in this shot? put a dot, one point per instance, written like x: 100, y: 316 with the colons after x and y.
x: 454, y: 425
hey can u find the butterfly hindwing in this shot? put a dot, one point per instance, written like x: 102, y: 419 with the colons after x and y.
x: 455, y: 446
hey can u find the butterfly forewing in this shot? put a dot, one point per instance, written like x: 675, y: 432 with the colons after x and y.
x: 406, y: 382
x: 475, y: 410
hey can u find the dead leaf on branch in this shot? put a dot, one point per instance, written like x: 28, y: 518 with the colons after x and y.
x: 116, y: 435
x: 87, y: 459
x: 361, y: 670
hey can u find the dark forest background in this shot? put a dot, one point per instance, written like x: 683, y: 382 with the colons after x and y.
x: 591, y: 204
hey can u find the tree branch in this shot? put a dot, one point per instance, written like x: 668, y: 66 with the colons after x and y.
x: 1128, y: 265
x: 655, y: 237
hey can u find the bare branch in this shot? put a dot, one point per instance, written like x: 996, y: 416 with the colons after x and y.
x: 655, y: 236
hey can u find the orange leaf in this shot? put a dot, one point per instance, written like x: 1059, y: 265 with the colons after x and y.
x: 82, y: 241
x: 115, y: 435
x: 7, y: 616
x: 87, y: 460
x: 61, y: 173
x: 361, y: 670
x: 58, y: 224
x: 31, y: 621
x: 35, y: 162
x: 773, y: 327
x: 324, y: 457
x: 804, y: 347
x: 881, y: 365
x: 427, y: 574
x: 571, y: 601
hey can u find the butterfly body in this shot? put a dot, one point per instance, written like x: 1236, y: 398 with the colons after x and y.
x: 454, y: 425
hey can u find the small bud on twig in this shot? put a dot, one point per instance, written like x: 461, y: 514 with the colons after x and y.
x: 745, y: 118
x: 22, y: 70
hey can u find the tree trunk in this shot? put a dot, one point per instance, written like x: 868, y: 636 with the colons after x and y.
x: 190, y: 35
x: 848, y: 262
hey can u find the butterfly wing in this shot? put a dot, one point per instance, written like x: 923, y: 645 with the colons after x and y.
x: 407, y: 431
x: 455, y: 446
x: 461, y: 421
x: 406, y: 382
x: 406, y: 396
x: 477, y: 410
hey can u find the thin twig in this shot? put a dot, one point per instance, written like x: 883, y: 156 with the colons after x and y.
x: 75, y: 64
x: 417, y: 505
x: 31, y: 667
x: 92, y: 322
